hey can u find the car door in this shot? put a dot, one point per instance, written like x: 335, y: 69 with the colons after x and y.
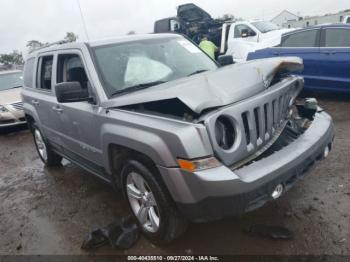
x: 79, y: 124
x: 303, y: 44
x: 43, y: 98
x: 335, y: 59
x: 242, y: 40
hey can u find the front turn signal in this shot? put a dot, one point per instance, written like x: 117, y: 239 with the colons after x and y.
x: 198, y: 164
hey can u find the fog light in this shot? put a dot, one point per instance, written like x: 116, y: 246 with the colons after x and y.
x: 326, y: 152
x: 277, y: 192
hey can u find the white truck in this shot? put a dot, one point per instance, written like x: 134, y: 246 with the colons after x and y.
x: 346, y: 19
x: 236, y: 38
x: 242, y: 37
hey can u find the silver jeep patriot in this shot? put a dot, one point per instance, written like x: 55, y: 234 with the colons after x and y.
x: 183, y: 138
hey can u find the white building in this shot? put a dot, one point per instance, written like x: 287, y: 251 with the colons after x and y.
x: 315, y: 20
x: 284, y: 17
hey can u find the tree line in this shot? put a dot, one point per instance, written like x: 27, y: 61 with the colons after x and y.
x: 16, y: 57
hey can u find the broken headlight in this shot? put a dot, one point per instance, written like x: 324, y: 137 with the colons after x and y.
x: 225, y: 133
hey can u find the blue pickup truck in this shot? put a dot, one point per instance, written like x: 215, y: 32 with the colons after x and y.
x: 325, y: 50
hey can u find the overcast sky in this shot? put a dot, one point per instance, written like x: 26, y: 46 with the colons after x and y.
x: 49, y: 20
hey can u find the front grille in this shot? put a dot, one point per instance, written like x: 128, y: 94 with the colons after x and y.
x: 262, y: 121
x: 258, y: 121
x: 17, y: 106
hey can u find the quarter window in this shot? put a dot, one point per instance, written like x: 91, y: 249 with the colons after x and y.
x: 337, y: 37
x: 28, y: 72
x: 301, y: 39
x: 45, y: 72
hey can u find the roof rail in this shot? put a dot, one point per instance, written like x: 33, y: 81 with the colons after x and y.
x: 61, y: 42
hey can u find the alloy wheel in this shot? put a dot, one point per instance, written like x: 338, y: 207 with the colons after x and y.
x: 142, y: 202
x: 39, y: 141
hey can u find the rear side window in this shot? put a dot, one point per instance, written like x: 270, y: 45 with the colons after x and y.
x: 337, y: 37
x: 44, y: 75
x: 301, y: 39
x: 28, y: 72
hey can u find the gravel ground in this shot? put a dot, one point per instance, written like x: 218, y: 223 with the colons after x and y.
x: 50, y: 211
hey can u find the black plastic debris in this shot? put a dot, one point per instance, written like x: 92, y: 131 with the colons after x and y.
x: 19, y: 247
x: 273, y: 232
x: 121, y: 234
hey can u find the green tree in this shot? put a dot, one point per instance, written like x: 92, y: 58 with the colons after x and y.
x: 14, y: 58
x: 71, y: 37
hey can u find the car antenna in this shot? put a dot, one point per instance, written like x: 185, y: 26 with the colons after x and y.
x: 83, y: 20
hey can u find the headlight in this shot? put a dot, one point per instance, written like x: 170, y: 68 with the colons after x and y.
x: 225, y: 133
x: 198, y: 164
x: 3, y: 109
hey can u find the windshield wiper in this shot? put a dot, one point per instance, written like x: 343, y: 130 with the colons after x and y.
x: 137, y: 88
x: 198, y: 72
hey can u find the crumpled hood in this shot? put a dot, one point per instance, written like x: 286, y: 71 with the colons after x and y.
x: 10, y: 96
x: 217, y: 88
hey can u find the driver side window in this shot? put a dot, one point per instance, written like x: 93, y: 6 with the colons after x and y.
x: 241, y: 28
x: 70, y: 69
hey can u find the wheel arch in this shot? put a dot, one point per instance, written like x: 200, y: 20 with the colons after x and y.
x: 128, y: 139
x: 119, y: 154
x: 30, y: 121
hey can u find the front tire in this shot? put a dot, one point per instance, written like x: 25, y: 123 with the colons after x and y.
x: 150, y: 203
x: 46, y: 154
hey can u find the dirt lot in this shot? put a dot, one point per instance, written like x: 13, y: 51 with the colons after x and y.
x: 46, y: 211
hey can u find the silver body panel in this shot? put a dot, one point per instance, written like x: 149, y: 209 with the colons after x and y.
x: 222, y: 181
x: 88, y: 130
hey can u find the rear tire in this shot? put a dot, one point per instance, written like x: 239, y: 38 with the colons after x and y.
x: 160, y: 221
x: 46, y: 154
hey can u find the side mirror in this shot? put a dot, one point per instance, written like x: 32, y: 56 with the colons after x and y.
x: 69, y: 92
x: 225, y: 60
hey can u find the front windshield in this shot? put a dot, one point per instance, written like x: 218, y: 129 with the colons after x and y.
x: 10, y: 80
x: 126, y: 65
x: 265, y: 26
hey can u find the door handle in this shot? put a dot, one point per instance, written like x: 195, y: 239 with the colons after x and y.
x: 275, y: 53
x: 35, y: 102
x: 57, y: 109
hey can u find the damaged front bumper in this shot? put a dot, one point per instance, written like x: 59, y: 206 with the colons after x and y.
x: 12, y: 118
x: 219, y: 192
